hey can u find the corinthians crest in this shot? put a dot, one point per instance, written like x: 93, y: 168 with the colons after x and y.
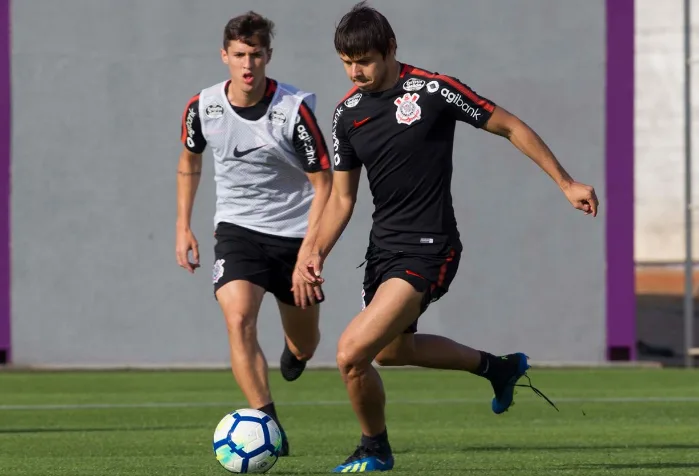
x: 217, y: 270
x: 408, y: 110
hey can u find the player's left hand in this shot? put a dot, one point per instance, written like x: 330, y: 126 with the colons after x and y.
x: 582, y: 197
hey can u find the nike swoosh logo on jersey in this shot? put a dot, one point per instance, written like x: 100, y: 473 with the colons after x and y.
x: 363, y: 121
x: 240, y: 153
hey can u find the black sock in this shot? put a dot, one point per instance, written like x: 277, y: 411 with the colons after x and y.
x: 377, y: 443
x: 493, y: 366
x: 487, y: 366
x: 272, y: 412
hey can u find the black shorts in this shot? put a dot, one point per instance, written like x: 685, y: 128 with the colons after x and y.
x: 265, y: 260
x: 431, y: 274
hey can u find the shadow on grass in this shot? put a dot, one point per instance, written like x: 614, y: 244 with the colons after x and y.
x: 609, y: 466
x: 496, y: 448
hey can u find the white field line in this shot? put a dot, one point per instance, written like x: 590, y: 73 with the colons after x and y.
x: 234, y: 405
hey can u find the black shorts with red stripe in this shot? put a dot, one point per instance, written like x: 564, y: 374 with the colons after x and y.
x: 428, y: 273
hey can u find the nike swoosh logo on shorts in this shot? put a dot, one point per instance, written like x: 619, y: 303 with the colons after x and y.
x: 240, y: 153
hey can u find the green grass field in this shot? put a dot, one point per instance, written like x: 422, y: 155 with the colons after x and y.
x: 612, y: 422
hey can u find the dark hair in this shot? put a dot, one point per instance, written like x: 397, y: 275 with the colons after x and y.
x: 362, y: 30
x: 247, y: 28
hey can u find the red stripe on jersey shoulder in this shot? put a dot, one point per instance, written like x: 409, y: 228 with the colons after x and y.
x: 484, y: 103
x: 407, y: 69
x: 350, y: 93
x: 315, y: 133
x: 184, y: 116
x: 271, y: 87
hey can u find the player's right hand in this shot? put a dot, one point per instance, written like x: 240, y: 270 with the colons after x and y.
x: 311, y: 268
x: 184, y: 242
x: 582, y: 197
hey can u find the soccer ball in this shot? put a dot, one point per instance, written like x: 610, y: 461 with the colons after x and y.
x: 247, y: 441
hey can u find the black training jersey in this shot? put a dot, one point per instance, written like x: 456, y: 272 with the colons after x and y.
x: 309, y: 143
x: 404, y: 136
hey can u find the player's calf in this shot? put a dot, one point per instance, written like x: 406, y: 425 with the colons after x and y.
x: 240, y: 302
x: 398, y: 353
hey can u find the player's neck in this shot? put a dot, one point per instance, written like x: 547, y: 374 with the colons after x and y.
x: 240, y: 98
x: 392, y: 75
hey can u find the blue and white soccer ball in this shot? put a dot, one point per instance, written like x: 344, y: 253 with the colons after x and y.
x: 247, y: 441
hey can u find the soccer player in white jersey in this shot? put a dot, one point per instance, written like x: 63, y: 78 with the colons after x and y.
x: 273, y: 180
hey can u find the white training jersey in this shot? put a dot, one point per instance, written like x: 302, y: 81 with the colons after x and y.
x: 260, y: 165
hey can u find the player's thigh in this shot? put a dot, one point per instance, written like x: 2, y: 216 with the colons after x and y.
x: 300, y: 327
x: 240, y: 301
x: 395, y: 306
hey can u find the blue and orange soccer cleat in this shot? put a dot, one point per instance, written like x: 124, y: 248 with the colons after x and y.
x: 364, y: 460
x: 504, y: 383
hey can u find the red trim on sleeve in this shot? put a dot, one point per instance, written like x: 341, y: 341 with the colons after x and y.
x: 184, y: 117
x: 317, y: 136
x: 350, y: 93
x: 484, y: 103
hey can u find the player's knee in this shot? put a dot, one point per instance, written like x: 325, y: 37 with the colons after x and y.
x: 304, y: 353
x: 304, y: 345
x: 351, y: 361
x: 241, y: 326
x: 393, y: 358
x: 307, y: 351
x: 390, y: 360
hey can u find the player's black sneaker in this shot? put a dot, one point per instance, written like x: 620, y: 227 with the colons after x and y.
x: 364, y: 460
x: 510, y: 369
x: 290, y: 366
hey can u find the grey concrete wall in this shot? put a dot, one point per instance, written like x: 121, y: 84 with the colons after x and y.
x: 98, y: 90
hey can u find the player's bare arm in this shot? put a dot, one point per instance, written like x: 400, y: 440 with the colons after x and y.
x: 304, y: 293
x: 337, y: 215
x: 524, y: 138
x: 322, y: 183
x: 188, y: 175
x: 312, y: 153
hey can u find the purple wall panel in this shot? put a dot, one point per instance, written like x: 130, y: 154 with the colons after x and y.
x: 618, y: 207
x: 5, y: 166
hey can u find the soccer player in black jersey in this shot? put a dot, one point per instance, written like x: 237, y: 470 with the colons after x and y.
x: 398, y: 121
